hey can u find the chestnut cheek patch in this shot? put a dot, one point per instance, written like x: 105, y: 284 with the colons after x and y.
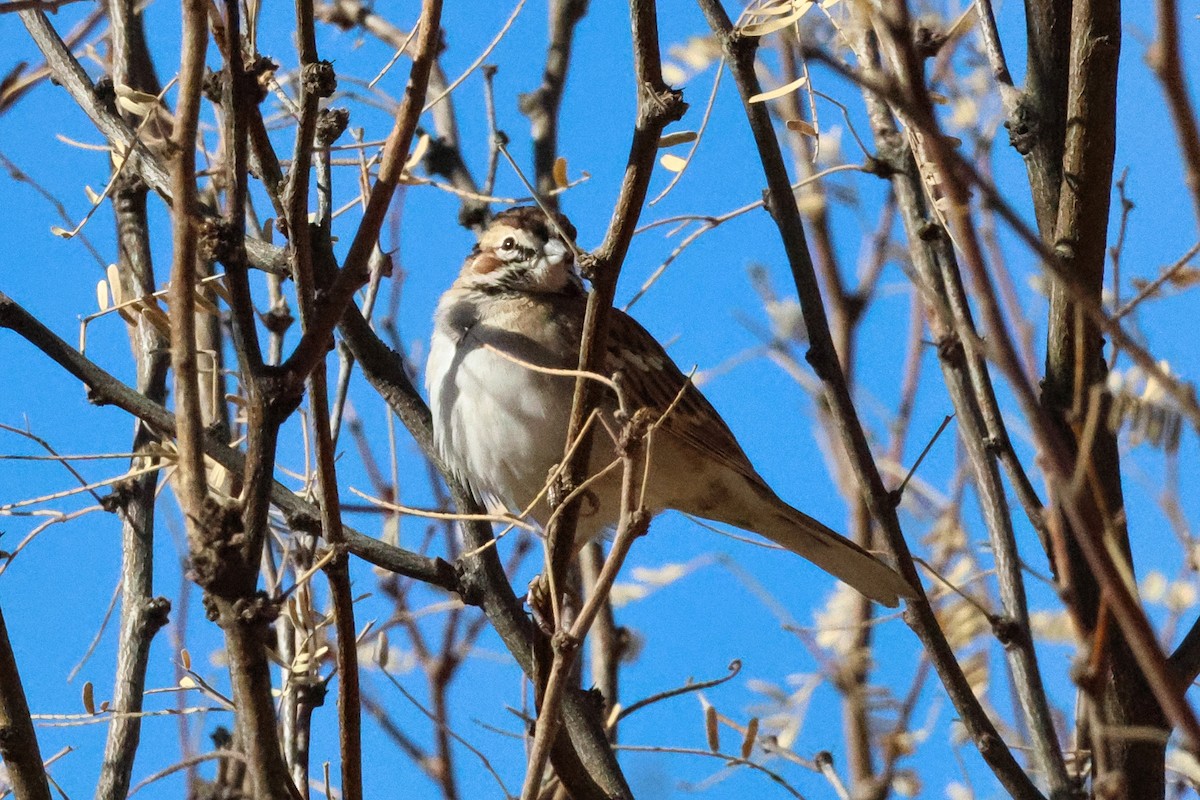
x: 485, y: 263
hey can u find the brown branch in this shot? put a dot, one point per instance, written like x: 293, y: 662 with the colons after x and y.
x: 142, y: 614
x: 1059, y: 462
x: 658, y: 106
x: 1186, y: 658
x: 570, y: 634
x: 606, y: 645
x: 68, y: 73
x: 41, y: 5
x: 1167, y: 63
x: 315, y: 84
x: 847, y: 310
x: 21, y: 79
x: 1074, y: 366
x: 355, y: 269
x: 823, y: 357
x: 240, y: 108
x: 445, y: 151
x: 18, y: 744
x: 1037, y: 128
x: 228, y: 574
x: 192, y: 489
x: 105, y: 389
x: 981, y: 425
x: 541, y: 106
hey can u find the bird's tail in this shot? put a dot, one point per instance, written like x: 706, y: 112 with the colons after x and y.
x: 803, y: 535
x: 835, y: 554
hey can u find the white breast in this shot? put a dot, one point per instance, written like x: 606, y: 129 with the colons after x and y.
x: 499, y: 425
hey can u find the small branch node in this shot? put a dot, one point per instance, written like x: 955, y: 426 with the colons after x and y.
x: 319, y: 79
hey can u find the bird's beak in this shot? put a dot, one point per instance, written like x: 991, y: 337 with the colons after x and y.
x: 556, y: 252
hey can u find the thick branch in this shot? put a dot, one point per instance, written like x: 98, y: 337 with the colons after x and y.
x: 104, y: 389
x: 142, y: 614
x: 1038, y: 128
x: 18, y: 742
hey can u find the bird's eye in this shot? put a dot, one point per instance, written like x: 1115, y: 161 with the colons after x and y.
x: 508, y: 244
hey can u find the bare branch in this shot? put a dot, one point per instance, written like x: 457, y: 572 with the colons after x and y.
x: 1167, y: 62
x: 22, y: 757
x: 823, y: 357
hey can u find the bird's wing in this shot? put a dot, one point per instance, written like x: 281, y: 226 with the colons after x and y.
x: 653, y: 381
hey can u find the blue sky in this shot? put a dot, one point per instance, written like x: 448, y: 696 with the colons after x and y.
x: 54, y: 595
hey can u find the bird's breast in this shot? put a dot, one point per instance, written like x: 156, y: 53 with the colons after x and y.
x: 500, y: 420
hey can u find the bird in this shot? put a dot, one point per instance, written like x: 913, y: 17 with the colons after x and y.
x: 499, y: 375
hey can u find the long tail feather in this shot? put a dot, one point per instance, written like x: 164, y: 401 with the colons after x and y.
x: 835, y: 554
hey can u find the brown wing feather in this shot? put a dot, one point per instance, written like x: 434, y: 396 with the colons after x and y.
x: 656, y: 381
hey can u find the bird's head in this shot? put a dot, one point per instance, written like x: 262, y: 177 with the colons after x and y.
x: 523, y: 250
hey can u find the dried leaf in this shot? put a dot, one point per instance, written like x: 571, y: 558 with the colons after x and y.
x: 1051, y: 626
x: 906, y: 783
x: 661, y: 576
x: 697, y: 52
x: 1154, y: 586
x: 102, y: 295
x: 672, y: 162
x: 89, y: 699
x: 963, y: 24
x: 1184, y: 763
x: 158, y: 318
x: 63, y: 232
x: 381, y: 653
x: 204, y: 304
x: 673, y: 74
x: 1180, y: 596
x: 185, y: 658
x: 623, y: 594
x: 787, y: 88
x: 418, y: 153
x: 92, y: 197
x: 218, y: 288
x: 560, y: 173
x: 1185, y: 277
x: 801, y: 126
x: 966, y: 112
x: 188, y: 682
x: 134, y: 101
x: 679, y: 137
x: 764, y: 28
x: 711, y: 728
x: 750, y: 738
x: 114, y: 284
x: 975, y: 670
x: 811, y: 204
x: 786, y: 7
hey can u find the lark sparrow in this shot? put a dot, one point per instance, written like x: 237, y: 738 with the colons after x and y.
x: 500, y: 422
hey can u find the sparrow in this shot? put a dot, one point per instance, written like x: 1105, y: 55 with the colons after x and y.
x: 500, y: 415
